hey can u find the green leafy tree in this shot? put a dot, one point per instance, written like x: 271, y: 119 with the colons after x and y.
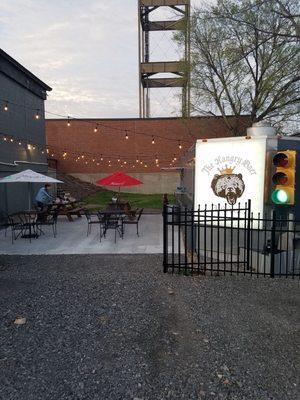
x: 244, y: 61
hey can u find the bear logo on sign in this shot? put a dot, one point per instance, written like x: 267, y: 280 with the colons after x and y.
x: 228, y: 185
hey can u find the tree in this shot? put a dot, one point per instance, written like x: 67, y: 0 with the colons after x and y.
x: 244, y: 61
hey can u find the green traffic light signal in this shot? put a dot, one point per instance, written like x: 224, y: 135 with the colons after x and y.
x: 280, y: 196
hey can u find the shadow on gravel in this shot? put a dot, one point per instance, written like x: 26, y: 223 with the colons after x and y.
x: 116, y: 327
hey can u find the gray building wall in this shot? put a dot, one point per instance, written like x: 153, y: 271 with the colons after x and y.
x: 24, y: 97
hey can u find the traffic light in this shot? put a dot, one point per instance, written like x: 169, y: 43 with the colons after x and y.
x: 284, y: 177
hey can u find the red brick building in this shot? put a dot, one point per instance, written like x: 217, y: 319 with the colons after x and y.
x: 92, y: 148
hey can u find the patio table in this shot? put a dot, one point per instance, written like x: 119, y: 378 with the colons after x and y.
x: 109, y: 216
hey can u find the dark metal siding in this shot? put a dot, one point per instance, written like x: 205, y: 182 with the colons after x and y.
x: 19, y: 121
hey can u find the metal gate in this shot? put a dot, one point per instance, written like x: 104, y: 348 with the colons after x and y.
x: 230, y: 240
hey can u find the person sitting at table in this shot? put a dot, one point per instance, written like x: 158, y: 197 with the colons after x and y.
x: 43, y: 197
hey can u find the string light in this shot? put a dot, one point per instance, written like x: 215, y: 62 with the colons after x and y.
x: 126, y: 136
x: 96, y: 129
x: 153, y: 141
x: 37, y: 115
x: 179, y: 145
x: 87, y: 156
x: 69, y: 118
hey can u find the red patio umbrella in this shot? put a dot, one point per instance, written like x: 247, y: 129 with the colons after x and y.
x: 118, y: 179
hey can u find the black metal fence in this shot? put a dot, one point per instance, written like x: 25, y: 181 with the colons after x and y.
x: 230, y: 240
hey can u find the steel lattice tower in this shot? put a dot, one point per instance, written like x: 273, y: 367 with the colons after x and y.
x: 178, y: 69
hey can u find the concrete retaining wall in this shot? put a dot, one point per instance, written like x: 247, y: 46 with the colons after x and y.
x: 161, y: 182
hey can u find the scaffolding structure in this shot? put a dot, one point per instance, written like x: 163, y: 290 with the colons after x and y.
x: 178, y: 75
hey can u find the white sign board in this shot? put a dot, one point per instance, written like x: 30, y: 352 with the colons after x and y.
x: 229, y: 171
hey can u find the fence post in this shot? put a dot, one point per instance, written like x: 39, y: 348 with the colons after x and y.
x: 165, y: 237
x: 273, y: 232
x: 248, y: 234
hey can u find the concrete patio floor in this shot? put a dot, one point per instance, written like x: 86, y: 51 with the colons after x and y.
x: 72, y: 239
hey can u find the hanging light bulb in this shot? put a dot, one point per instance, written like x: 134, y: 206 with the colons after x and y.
x: 52, y: 155
x: 126, y: 136
x: 82, y: 156
x: 5, y: 108
x: 137, y: 160
x: 96, y: 129
x: 20, y: 143
x: 101, y: 158
x: 98, y: 164
x: 175, y: 158
x: 94, y: 160
x: 29, y: 147
x: 68, y: 123
x: 156, y: 159
x: 37, y: 115
x: 179, y: 146
x: 153, y: 141
x: 33, y: 147
x: 119, y: 159
x: 43, y: 152
x: 5, y: 139
x: 11, y: 139
x: 86, y: 162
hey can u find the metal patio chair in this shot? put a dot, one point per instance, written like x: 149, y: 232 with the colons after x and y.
x: 4, y: 222
x: 134, y: 220
x: 94, y: 219
x: 48, y: 220
x: 112, y: 221
x: 16, y: 226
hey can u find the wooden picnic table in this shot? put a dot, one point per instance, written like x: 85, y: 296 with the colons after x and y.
x: 68, y: 208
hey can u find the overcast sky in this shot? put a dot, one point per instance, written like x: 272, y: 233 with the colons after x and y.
x: 86, y: 50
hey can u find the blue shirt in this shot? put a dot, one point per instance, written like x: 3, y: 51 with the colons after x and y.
x: 43, y: 196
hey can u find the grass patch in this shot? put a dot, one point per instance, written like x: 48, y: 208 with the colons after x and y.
x: 136, y: 200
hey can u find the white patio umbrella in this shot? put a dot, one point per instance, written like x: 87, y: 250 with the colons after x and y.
x: 28, y: 176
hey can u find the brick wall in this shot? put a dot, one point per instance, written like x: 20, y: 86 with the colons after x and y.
x: 109, y: 142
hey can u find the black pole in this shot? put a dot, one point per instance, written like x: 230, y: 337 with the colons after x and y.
x: 273, y: 232
x: 248, y: 234
x: 165, y: 237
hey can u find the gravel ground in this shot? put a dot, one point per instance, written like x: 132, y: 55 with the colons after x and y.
x: 116, y: 327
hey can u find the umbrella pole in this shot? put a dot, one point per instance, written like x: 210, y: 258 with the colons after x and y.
x: 29, y: 196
